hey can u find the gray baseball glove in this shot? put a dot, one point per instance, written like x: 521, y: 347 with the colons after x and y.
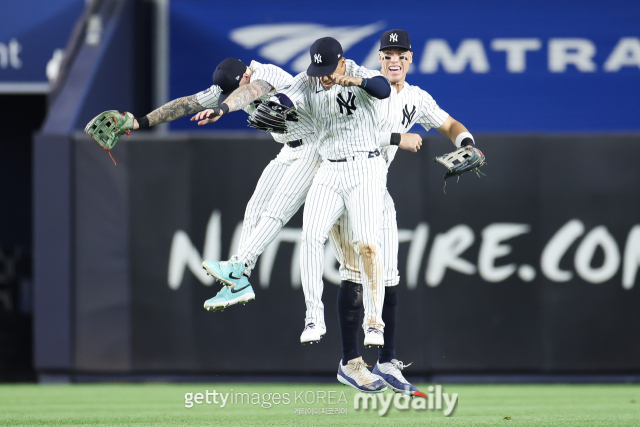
x: 462, y: 160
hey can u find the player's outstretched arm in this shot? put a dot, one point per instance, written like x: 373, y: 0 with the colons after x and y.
x: 170, y: 111
x: 238, y: 99
x: 454, y: 130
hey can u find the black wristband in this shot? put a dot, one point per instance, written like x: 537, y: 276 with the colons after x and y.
x: 224, y: 107
x: 395, y: 139
x: 143, y: 122
x: 363, y: 84
x: 467, y: 141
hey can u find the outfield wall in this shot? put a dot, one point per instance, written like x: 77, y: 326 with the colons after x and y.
x: 533, y: 268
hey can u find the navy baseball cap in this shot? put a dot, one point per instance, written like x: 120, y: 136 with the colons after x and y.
x: 395, y: 38
x: 228, y: 74
x: 325, y: 55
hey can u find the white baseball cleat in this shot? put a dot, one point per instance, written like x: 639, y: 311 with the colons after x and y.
x: 390, y: 374
x: 356, y: 375
x: 374, y: 337
x: 312, y: 333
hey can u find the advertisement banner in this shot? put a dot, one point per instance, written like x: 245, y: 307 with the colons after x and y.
x: 33, y: 36
x: 533, y: 268
x: 495, y: 66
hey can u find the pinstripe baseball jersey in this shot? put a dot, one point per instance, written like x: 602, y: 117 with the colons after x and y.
x: 403, y: 109
x: 279, y: 79
x: 346, y: 117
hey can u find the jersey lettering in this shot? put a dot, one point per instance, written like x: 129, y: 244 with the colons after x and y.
x: 349, y: 104
x: 408, y: 116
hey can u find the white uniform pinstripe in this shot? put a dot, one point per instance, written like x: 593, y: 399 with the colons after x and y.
x: 347, y: 123
x: 398, y: 113
x: 285, y: 182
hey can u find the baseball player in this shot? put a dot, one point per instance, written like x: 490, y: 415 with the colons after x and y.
x: 281, y: 189
x: 342, y: 99
x: 296, y: 163
x: 406, y: 106
x: 283, y: 202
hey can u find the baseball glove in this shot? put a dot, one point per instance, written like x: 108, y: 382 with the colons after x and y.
x: 271, y: 116
x: 462, y: 160
x: 106, y: 128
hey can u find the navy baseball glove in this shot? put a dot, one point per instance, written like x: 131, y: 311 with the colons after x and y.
x: 271, y: 116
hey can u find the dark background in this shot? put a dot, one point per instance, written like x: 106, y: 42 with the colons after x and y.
x: 20, y: 116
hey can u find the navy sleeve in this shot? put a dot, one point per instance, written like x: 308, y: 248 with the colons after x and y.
x: 377, y: 86
x: 284, y: 99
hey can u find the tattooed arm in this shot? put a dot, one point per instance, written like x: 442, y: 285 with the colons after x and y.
x: 238, y: 99
x: 173, y: 110
x: 246, y: 94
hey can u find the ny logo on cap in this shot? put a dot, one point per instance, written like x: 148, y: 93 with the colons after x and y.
x: 317, y: 58
x: 393, y: 37
x: 238, y: 78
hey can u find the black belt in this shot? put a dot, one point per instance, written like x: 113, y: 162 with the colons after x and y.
x: 372, y: 154
x: 294, y: 144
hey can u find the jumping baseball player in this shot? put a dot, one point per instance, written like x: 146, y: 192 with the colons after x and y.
x: 280, y: 192
x: 288, y: 177
x: 406, y: 106
x: 282, y: 187
x: 342, y: 99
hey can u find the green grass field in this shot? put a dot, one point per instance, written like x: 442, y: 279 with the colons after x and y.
x: 164, y: 405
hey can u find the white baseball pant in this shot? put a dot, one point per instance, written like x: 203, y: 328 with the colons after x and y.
x: 356, y: 187
x: 281, y: 191
x: 341, y: 239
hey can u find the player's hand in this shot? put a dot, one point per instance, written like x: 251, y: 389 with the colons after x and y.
x: 209, y: 115
x: 346, y: 81
x: 410, y: 142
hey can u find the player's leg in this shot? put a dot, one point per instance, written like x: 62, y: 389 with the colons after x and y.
x: 324, y: 206
x: 349, y: 307
x: 352, y: 370
x: 389, y: 367
x: 288, y: 197
x: 349, y: 301
x: 341, y: 239
x: 271, y: 177
x: 364, y: 201
x: 231, y: 272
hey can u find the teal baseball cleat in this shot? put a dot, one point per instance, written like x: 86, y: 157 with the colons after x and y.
x: 230, y: 273
x: 227, y: 297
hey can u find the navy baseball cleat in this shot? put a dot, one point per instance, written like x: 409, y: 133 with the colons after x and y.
x: 391, y: 375
x: 356, y: 375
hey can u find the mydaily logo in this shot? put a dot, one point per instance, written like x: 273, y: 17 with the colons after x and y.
x: 436, y: 400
